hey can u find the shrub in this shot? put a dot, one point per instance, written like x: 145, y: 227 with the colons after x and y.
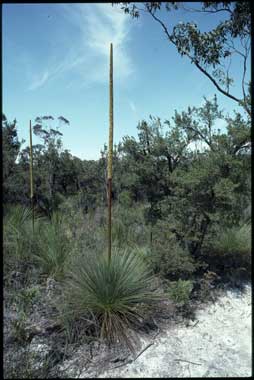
x: 171, y: 260
x: 179, y: 291
x: 112, y: 293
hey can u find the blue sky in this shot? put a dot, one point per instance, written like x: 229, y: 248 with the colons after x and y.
x: 56, y: 62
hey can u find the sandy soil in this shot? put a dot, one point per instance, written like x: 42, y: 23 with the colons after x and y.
x: 216, y: 344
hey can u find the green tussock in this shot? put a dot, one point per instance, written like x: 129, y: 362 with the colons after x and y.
x: 53, y: 247
x: 234, y: 240
x: 17, y: 233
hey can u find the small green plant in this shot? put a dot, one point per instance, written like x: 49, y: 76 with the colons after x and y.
x: 112, y: 292
x: 179, y: 291
x: 19, y: 327
x: 28, y: 297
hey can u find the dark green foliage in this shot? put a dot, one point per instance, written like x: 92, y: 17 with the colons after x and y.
x: 168, y: 256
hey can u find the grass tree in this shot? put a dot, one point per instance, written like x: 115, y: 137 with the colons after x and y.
x: 113, y: 296
x: 112, y: 291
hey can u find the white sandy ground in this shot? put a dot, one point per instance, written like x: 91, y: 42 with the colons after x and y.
x: 217, y: 344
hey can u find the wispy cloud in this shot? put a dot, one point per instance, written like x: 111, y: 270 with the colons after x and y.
x: 99, y: 25
x: 132, y: 106
x: 54, y: 70
x: 38, y: 82
x: 96, y: 26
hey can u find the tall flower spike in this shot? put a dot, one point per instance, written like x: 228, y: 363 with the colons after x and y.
x: 110, y: 149
x: 31, y: 175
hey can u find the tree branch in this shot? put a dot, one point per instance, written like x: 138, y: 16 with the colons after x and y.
x: 220, y: 89
x: 207, y: 11
x: 209, y: 76
x: 246, y: 49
